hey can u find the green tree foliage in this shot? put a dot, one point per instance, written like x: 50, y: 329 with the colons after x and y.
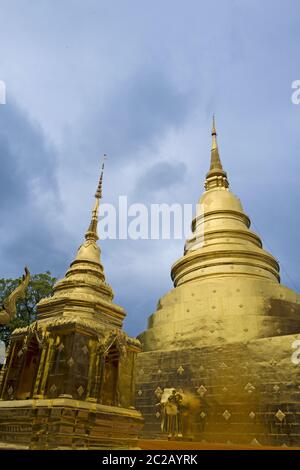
x: 40, y: 286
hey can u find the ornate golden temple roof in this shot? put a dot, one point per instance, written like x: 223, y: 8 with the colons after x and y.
x: 84, y: 285
x: 86, y: 273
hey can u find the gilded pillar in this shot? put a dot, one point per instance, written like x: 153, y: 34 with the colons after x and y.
x: 10, y: 357
x: 41, y: 369
x: 50, y: 352
x: 99, y: 369
x: 101, y: 376
x: 90, y: 392
x: 132, y: 383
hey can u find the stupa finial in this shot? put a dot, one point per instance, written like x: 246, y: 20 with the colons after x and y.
x: 214, y: 135
x: 92, y: 233
x: 216, y: 177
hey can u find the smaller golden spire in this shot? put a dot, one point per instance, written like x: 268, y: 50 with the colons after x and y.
x: 216, y: 177
x: 91, y: 233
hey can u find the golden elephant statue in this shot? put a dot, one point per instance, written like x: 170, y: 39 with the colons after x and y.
x: 178, y: 410
x: 9, y: 307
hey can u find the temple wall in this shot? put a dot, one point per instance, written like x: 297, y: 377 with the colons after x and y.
x: 246, y: 392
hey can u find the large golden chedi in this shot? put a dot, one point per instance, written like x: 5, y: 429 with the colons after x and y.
x: 68, y: 379
x: 226, y: 332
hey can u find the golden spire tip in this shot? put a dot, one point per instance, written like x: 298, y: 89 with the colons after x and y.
x: 214, y: 134
x: 91, y: 233
x: 216, y: 177
x: 98, y: 194
x: 213, y: 131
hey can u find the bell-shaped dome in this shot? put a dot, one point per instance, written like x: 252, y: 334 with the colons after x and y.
x: 222, y: 243
x: 226, y: 286
x: 220, y: 199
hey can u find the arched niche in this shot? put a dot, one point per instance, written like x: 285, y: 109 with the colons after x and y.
x: 29, y: 370
x: 109, y: 387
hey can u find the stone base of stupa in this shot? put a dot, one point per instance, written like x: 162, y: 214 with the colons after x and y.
x: 243, y: 393
x: 64, y: 423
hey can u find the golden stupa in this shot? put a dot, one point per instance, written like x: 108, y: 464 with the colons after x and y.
x: 224, y: 336
x: 68, y: 379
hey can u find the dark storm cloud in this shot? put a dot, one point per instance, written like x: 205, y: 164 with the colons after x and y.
x: 160, y: 176
x: 135, y: 116
x: 142, y: 110
x: 28, y: 194
x: 25, y: 155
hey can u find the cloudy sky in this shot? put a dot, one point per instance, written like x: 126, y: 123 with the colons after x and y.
x: 139, y: 81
